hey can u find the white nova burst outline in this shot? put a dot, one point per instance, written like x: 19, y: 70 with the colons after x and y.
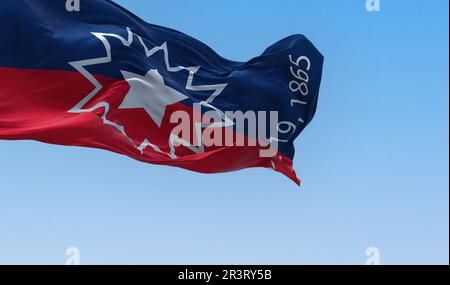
x: 81, y: 65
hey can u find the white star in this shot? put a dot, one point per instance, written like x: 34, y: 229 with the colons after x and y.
x: 150, y: 93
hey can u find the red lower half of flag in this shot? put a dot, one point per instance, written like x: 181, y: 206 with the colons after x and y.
x: 36, y: 104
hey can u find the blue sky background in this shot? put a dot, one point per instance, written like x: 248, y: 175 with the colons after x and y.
x: 374, y: 162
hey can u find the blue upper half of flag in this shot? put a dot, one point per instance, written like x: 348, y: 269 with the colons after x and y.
x: 43, y: 35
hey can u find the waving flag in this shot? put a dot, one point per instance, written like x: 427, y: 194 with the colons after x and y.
x: 103, y: 78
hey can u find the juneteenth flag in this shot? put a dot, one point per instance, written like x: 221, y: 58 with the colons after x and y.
x: 103, y: 78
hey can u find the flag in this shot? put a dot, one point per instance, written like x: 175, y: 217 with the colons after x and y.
x: 101, y: 77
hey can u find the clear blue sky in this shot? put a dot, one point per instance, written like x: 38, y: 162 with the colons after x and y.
x: 374, y: 162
